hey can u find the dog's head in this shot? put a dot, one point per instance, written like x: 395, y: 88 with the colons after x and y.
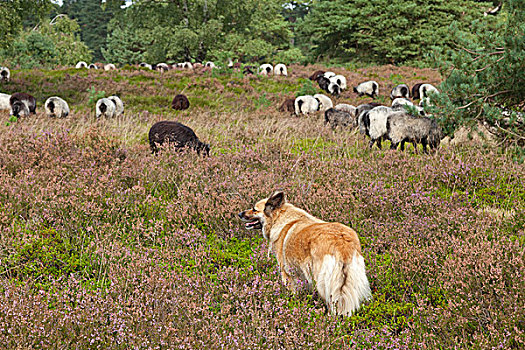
x: 261, y: 213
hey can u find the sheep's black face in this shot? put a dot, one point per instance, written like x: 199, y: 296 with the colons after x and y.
x: 51, y: 106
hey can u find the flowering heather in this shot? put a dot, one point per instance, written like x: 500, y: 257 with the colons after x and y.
x: 104, y: 245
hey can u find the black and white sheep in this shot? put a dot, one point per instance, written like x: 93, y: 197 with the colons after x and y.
x: 180, y: 102
x: 109, y: 66
x: 415, y: 91
x: 325, y: 102
x: 399, y: 103
x: 92, y: 66
x: 162, y: 67
x: 323, y: 82
x: 4, y: 101
x: 400, y: 91
x: 339, y: 118
x: 328, y: 75
x: 370, y: 88
x: 56, y: 107
x: 176, y: 134
x: 266, y: 69
x: 402, y: 127
x: 425, y: 92
x: 306, y: 104
x: 339, y: 80
x: 334, y: 89
x: 81, y: 64
x: 105, y: 108
x: 280, y: 69
x: 360, y: 112
x: 146, y: 65
x: 210, y: 64
x: 374, y: 122
x: 19, y: 109
x: 119, y: 105
x: 187, y: 65
x: 25, y: 99
x: 5, y: 74
x: 346, y: 108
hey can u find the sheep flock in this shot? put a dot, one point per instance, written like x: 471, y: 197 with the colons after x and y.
x: 400, y: 122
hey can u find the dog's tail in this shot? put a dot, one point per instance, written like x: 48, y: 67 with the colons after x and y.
x: 343, y: 285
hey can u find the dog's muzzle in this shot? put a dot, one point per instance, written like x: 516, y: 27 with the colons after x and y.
x: 250, y: 223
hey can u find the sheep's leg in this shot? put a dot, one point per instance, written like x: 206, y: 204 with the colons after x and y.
x: 402, y: 145
x: 424, y: 143
x: 371, y: 143
x: 393, y: 146
x: 378, y: 143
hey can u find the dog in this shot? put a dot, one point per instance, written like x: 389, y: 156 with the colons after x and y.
x: 325, y: 253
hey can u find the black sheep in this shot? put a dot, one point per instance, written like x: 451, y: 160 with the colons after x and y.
x: 180, y: 103
x: 323, y: 82
x: 288, y: 106
x: 316, y: 75
x: 176, y: 134
x: 27, y: 99
x: 415, y: 91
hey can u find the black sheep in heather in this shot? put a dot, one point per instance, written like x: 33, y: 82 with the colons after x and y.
x: 180, y: 103
x: 176, y: 134
x: 316, y: 75
x: 288, y: 106
x: 24, y: 98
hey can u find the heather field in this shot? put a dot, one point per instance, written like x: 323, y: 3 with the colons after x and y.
x: 103, y: 245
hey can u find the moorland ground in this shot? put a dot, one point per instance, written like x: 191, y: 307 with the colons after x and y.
x: 103, y: 245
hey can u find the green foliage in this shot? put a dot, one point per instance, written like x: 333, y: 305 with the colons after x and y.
x: 290, y: 56
x: 383, y: 31
x: 94, y: 95
x: 485, y: 73
x: 49, y: 257
x: 307, y: 88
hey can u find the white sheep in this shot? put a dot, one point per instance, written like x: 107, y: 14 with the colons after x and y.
x: 146, y: 65
x: 339, y: 80
x: 266, y: 69
x: 92, y: 66
x: 109, y: 66
x: 4, y: 101
x: 325, y: 102
x: 306, y: 104
x: 5, y: 74
x: 375, y: 122
x: 328, y: 75
x: 280, y: 69
x: 119, y: 105
x: 187, y: 65
x: 105, y: 108
x: 425, y: 92
x: 400, y: 101
x: 333, y: 89
x: 210, y: 64
x: 400, y: 91
x: 81, y: 64
x: 370, y: 88
x: 56, y: 107
x: 343, y: 107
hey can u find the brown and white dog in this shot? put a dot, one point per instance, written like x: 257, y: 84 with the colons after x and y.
x: 326, y: 253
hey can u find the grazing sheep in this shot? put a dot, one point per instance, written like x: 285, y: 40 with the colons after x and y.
x: 346, y: 108
x: 316, y: 75
x: 402, y: 127
x: 4, y: 101
x: 177, y: 134
x: 334, y: 89
x: 92, y: 66
x: 19, y: 109
x: 415, y: 91
x: 119, y: 105
x: 325, y: 102
x: 370, y: 88
x: 109, y: 66
x: 400, y: 91
x: 328, y: 75
x: 360, y: 112
x: 56, y: 107
x: 162, y: 67
x: 81, y: 64
x: 425, y: 91
x: 401, y: 101
x: 27, y: 99
x: 230, y: 63
x: 180, y: 103
x: 288, y: 106
x: 280, y: 69
x: 210, y: 64
x: 339, y: 118
x: 187, y: 65
x: 266, y: 69
x: 146, y: 65
x: 306, y: 104
x: 5, y: 74
x: 324, y: 83
x: 105, y: 108
x: 374, y: 122
x: 339, y: 80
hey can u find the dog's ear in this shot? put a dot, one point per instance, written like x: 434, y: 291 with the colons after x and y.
x: 275, y: 201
